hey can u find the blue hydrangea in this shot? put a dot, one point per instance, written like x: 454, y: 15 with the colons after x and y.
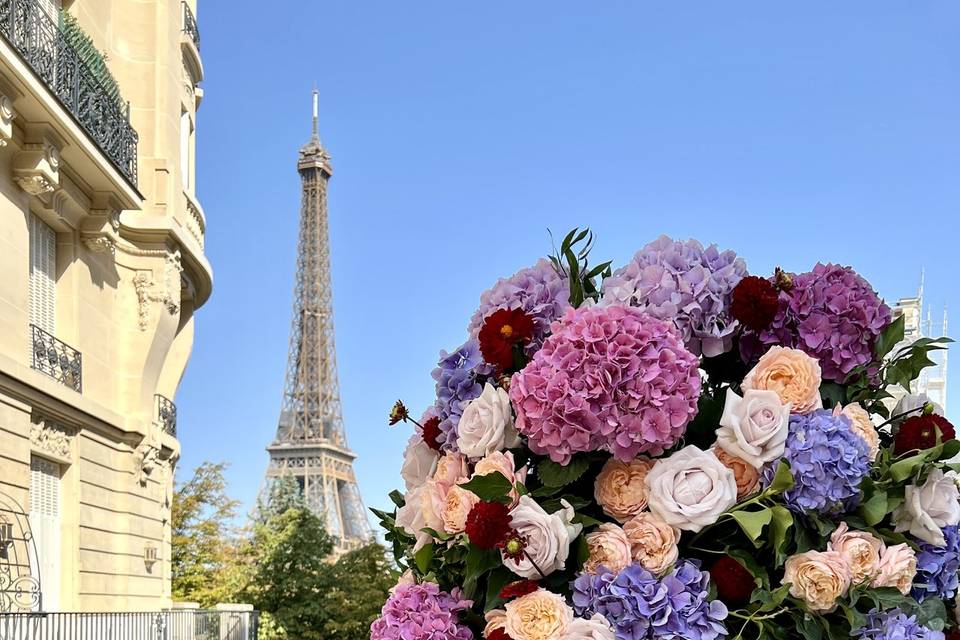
x: 938, y: 568
x: 828, y: 461
x: 457, y: 384
x: 639, y: 606
x: 894, y: 625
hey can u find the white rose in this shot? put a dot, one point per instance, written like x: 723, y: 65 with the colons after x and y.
x: 487, y: 424
x: 419, y: 462
x: 411, y: 517
x: 690, y: 489
x: 929, y: 508
x: 754, y: 427
x: 548, y: 537
x: 914, y: 402
x: 596, y: 628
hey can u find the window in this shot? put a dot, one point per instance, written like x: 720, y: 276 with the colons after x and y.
x: 45, y: 526
x: 186, y: 139
x: 43, y: 275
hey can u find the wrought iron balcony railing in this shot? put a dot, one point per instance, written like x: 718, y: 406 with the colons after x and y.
x: 40, y: 42
x: 199, y: 624
x: 190, y: 25
x: 167, y: 415
x: 57, y: 359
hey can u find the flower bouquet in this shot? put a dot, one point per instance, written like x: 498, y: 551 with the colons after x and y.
x: 676, y: 449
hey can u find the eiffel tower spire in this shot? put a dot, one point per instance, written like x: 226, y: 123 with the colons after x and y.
x: 311, y: 443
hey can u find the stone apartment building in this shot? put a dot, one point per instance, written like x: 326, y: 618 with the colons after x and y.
x: 102, y: 268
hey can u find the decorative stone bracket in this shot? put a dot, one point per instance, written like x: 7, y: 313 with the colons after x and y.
x: 100, y: 231
x: 37, y: 167
x: 166, y: 292
x: 7, y: 115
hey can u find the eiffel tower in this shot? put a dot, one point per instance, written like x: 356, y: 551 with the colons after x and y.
x: 311, y: 443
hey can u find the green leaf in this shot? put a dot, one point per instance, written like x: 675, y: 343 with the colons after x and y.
x: 890, y: 337
x: 490, y: 487
x: 903, y: 469
x: 874, y: 509
x: 546, y: 492
x: 932, y: 613
x: 479, y: 561
x: 423, y: 557
x: 397, y: 498
x: 749, y: 562
x: 780, y: 523
x: 586, y: 520
x: 783, y: 480
x: 552, y: 474
x: 753, y: 522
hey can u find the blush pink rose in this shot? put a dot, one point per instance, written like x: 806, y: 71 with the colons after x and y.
x: 792, y: 374
x: 897, y: 568
x: 456, y: 506
x: 861, y: 549
x: 818, y: 578
x: 608, y: 547
x: 620, y: 488
x: 653, y: 542
x: 452, y: 469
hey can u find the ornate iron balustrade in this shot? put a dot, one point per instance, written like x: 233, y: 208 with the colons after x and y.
x: 167, y: 414
x: 190, y: 25
x: 41, y: 44
x: 197, y: 624
x: 57, y: 359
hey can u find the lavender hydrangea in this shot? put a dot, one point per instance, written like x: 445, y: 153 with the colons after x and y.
x: 457, y: 384
x: 639, y: 606
x: 938, y: 568
x: 828, y: 461
x: 686, y: 284
x: 540, y: 291
x: 422, y: 612
x: 832, y: 314
x: 894, y: 625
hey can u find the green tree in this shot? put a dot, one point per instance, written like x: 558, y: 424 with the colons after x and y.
x: 356, y: 588
x: 203, y: 542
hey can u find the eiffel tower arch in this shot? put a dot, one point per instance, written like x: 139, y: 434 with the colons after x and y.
x: 311, y: 443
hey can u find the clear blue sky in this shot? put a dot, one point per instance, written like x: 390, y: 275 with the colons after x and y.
x: 461, y: 131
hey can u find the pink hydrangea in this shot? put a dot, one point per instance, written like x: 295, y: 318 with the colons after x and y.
x: 422, y: 612
x: 609, y: 378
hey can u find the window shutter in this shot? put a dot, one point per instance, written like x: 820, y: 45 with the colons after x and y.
x: 45, y: 526
x: 43, y: 275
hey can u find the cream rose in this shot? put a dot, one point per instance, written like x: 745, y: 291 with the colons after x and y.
x: 897, y: 568
x: 792, y: 374
x: 503, y: 463
x: 861, y: 549
x: 690, y: 489
x: 746, y: 475
x: 653, y: 542
x: 928, y: 508
x: 456, y: 508
x: 620, y: 488
x: 862, y: 425
x: 818, y: 578
x: 411, y: 516
x: 608, y: 547
x: 595, y: 628
x: 495, y: 619
x: 487, y: 424
x: 754, y: 427
x: 452, y: 468
x: 419, y: 462
x: 548, y: 537
x: 541, y: 615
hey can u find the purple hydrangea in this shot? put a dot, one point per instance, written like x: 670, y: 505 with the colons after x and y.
x: 894, y: 625
x: 639, y: 606
x: 686, y: 284
x: 609, y: 378
x: 457, y: 384
x: 832, y: 314
x: 828, y: 461
x: 422, y: 612
x: 540, y: 291
x: 938, y: 568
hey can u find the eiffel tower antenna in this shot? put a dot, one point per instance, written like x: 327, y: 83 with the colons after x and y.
x: 311, y: 443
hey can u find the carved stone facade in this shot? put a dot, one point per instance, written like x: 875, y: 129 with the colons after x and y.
x: 53, y: 438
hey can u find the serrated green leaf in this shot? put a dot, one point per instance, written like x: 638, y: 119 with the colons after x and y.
x: 423, y: 557
x: 397, y: 498
x: 552, y: 474
x: 490, y: 487
x: 890, y: 337
x: 874, y: 509
x: 479, y: 561
x: 753, y: 522
x: 903, y: 469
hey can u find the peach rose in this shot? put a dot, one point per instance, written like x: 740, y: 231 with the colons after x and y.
x: 503, y: 463
x: 861, y: 549
x: 818, y: 578
x: 541, y: 615
x: 746, y: 475
x: 451, y: 469
x: 653, y: 542
x: 495, y: 619
x: 897, y: 568
x: 792, y: 374
x: 862, y: 425
x: 456, y: 507
x: 608, y: 547
x: 620, y: 487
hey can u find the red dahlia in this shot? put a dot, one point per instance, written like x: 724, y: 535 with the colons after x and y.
x: 518, y: 589
x: 498, y: 634
x: 920, y: 432
x: 953, y: 635
x: 754, y: 302
x: 734, y: 583
x: 503, y: 330
x: 488, y: 524
x: 431, y: 433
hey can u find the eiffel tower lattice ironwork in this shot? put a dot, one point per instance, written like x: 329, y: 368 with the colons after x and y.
x: 311, y: 443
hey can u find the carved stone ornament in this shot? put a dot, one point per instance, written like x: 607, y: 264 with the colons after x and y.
x: 51, y: 437
x: 35, y: 184
x: 100, y: 243
x: 147, y: 458
x: 166, y: 292
x: 7, y: 114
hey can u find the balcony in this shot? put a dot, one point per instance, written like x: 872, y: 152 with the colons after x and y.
x: 56, y: 359
x: 167, y: 415
x: 190, y: 25
x: 194, y: 624
x: 43, y: 47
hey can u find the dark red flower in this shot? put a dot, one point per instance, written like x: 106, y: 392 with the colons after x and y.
x: 518, y: 589
x: 503, y: 330
x: 431, y: 433
x: 920, y: 432
x: 499, y: 634
x: 953, y: 635
x: 488, y: 524
x: 734, y: 583
x: 398, y: 413
x: 514, y: 546
x: 754, y: 303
